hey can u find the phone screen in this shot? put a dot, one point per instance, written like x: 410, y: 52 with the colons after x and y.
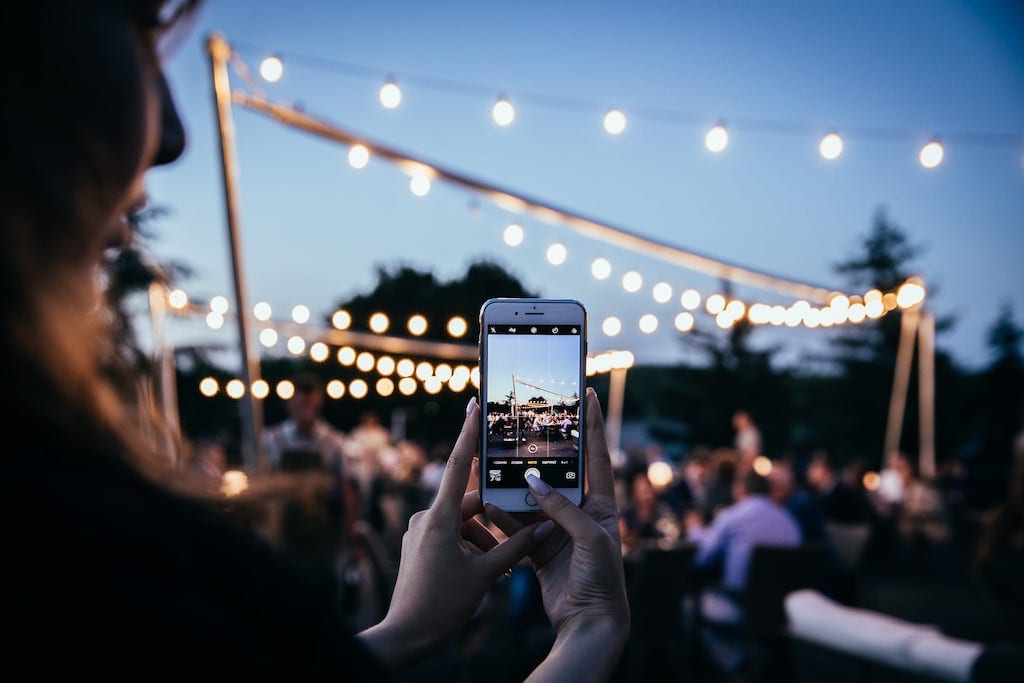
x: 532, y: 404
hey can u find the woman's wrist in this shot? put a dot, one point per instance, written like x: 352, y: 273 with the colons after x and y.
x: 586, y: 649
x: 396, y: 648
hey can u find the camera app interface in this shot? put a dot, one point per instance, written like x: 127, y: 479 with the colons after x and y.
x: 532, y: 401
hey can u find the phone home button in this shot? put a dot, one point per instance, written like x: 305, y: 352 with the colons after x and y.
x: 530, y: 500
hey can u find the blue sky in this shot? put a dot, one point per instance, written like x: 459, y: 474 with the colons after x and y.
x: 314, y: 229
x: 544, y: 361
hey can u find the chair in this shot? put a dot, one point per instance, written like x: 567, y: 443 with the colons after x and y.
x: 658, y: 578
x: 849, y: 541
x: 774, y: 572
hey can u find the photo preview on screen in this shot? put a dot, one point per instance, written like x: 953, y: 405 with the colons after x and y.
x: 532, y: 404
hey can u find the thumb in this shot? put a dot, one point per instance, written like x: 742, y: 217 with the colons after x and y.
x: 569, y: 516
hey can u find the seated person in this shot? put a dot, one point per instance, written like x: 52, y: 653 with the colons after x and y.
x: 727, y: 546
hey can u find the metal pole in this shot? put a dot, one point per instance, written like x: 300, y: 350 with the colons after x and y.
x: 900, y: 384
x: 250, y: 411
x: 926, y: 389
x: 613, y: 424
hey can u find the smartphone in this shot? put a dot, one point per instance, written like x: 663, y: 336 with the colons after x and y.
x: 532, y: 381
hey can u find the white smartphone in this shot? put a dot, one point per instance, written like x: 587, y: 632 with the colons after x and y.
x: 532, y: 381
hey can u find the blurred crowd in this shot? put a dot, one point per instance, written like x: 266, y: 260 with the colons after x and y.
x: 360, y: 487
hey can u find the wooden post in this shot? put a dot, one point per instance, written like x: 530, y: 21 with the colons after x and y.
x: 926, y: 389
x: 613, y: 424
x: 250, y: 411
x: 900, y: 384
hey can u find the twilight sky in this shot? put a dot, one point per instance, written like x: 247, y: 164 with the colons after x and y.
x: 315, y: 229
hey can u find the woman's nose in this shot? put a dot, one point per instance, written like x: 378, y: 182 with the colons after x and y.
x: 172, y: 133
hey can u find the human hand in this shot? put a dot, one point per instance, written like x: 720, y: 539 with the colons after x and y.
x: 579, y: 565
x: 449, y: 561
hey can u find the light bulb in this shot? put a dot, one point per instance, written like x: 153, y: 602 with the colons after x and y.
x: 931, y: 154
x: 831, y: 146
x: 390, y: 95
x: 614, y: 122
x: 272, y: 68
x: 503, y: 112
x: 717, y: 139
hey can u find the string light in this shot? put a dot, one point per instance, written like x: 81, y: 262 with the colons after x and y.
x: 262, y: 311
x: 557, y: 254
x: 285, y: 389
x: 341, y: 320
x: 390, y: 95
x: 385, y: 386
x: 358, y: 388
x: 407, y: 386
x: 856, y: 313
x: 346, y: 355
x: 503, y: 112
x: 219, y: 304
x: 235, y: 388
x: 424, y: 370
x: 662, y: 292
x: 177, y: 299
x: 268, y: 337
x: 684, y: 321
x: 715, y: 304
x: 778, y: 315
x: 208, y: 387
x: 690, y: 299
x: 335, y: 388
x: 831, y: 146
x: 931, y: 154
x: 319, y: 352
x: 601, y: 268
x: 405, y: 368
x: 724, y: 320
x: 260, y: 389
x: 365, y: 361
x: 296, y: 345
x: 358, y: 156
x: 443, y: 372
x: 419, y: 185
x: 432, y: 385
x: 417, y: 325
x: 457, y: 326
x: 909, y: 294
x: 385, y: 365
x: 648, y: 323
x: 214, y: 320
x: 736, y: 309
x: 300, y: 314
x: 716, y: 139
x: 379, y: 323
x: 614, y: 122
x: 632, y: 281
x: 611, y: 326
x: 271, y: 69
x: 513, y: 235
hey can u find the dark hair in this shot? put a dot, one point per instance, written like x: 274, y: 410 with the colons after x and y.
x: 308, y: 383
x: 755, y: 483
x: 69, y: 144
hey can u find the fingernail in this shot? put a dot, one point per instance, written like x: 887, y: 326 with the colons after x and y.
x: 469, y: 406
x: 543, y: 530
x: 537, y: 485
